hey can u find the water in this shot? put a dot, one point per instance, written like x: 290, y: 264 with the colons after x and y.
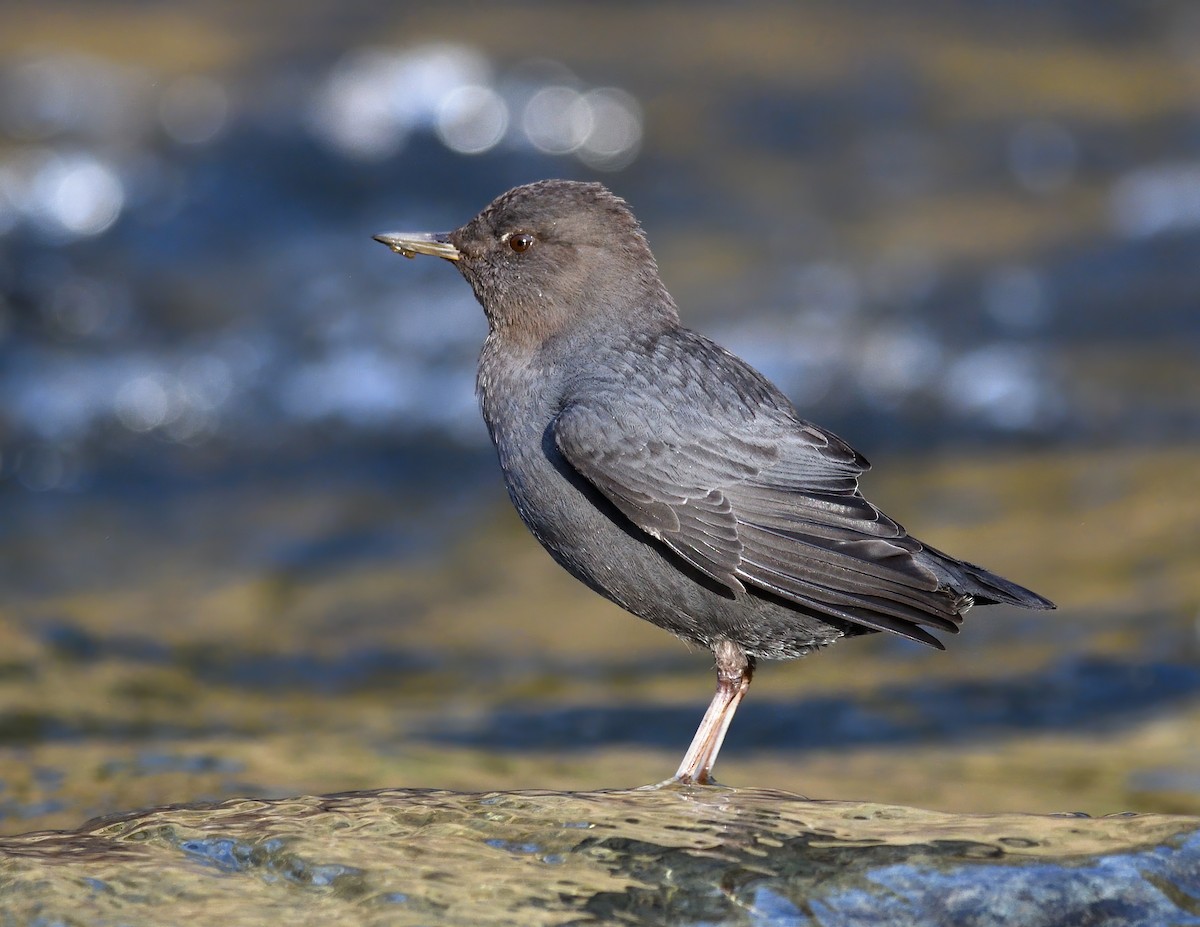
x: 681, y: 856
x: 253, y: 544
x: 921, y: 252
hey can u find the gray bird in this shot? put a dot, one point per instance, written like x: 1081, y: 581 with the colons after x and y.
x: 666, y: 473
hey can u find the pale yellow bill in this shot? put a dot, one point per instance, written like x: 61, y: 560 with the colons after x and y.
x: 410, y: 244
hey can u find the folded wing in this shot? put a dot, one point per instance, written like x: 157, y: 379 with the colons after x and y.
x: 773, y: 505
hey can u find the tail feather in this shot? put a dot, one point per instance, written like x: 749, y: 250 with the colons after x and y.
x: 983, y: 586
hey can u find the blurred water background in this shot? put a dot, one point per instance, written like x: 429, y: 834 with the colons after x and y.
x: 252, y: 537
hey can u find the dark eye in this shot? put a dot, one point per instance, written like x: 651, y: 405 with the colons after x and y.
x: 520, y: 241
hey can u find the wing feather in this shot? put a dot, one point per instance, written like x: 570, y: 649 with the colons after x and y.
x: 747, y: 492
x: 778, y: 509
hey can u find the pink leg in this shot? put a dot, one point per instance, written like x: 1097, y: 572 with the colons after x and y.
x: 734, y: 671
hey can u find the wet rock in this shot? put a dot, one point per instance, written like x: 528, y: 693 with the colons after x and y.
x: 659, y: 855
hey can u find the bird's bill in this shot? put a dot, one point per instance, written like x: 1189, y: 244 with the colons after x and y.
x: 410, y: 244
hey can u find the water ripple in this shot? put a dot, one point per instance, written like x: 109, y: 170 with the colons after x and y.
x: 686, y: 856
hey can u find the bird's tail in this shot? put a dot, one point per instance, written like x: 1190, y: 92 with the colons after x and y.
x: 984, y: 586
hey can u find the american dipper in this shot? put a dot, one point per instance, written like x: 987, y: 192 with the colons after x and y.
x: 666, y: 473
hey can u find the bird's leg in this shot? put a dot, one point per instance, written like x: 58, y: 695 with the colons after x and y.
x: 734, y: 671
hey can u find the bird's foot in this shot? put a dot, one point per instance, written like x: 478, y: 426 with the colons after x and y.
x: 681, y: 782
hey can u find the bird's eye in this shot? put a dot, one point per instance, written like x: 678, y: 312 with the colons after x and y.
x: 520, y: 242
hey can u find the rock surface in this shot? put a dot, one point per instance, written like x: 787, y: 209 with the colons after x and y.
x: 686, y: 856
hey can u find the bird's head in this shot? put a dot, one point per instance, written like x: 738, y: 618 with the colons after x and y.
x: 551, y: 255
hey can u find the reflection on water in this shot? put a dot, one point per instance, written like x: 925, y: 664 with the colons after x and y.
x: 685, y: 856
x: 374, y: 98
x: 1073, y: 696
x: 188, y: 262
x: 317, y: 627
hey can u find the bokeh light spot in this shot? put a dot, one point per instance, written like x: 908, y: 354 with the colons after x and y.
x: 193, y: 110
x: 76, y: 195
x: 616, y: 129
x: 557, y: 120
x: 142, y: 404
x: 472, y: 119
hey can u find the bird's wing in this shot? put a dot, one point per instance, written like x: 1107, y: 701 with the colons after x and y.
x: 775, y: 507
